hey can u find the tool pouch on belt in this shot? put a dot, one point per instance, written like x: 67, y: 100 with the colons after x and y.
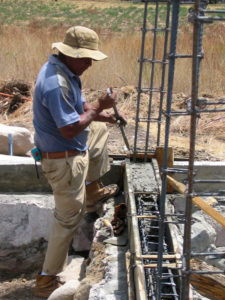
x: 36, y: 153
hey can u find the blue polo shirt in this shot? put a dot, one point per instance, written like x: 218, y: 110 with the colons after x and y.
x: 57, y: 102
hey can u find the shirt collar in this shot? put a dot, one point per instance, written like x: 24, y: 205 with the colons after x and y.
x: 53, y: 59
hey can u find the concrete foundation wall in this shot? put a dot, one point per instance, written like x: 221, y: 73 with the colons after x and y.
x: 204, y: 170
x: 18, y: 174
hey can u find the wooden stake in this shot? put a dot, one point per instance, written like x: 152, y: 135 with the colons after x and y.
x: 159, y: 156
x: 166, y: 256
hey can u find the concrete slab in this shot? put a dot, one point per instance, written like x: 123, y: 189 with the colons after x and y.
x: 204, y: 170
x: 18, y: 174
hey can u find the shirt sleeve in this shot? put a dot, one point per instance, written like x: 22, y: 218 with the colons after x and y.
x: 61, y: 105
x: 83, y: 99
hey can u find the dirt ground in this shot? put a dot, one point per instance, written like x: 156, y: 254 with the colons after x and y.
x: 16, y: 110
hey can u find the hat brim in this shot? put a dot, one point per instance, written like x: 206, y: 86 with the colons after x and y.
x: 78, y: 52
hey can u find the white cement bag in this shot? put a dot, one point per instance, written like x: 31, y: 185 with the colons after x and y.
x: 22, y: 139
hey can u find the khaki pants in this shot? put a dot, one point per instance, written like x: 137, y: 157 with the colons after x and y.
x: 67, y: 178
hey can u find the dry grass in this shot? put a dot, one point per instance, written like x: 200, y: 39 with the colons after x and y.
x: 28, y: 48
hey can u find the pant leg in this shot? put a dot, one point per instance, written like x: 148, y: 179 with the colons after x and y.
x: 67, y: 179
x: 98, y: 153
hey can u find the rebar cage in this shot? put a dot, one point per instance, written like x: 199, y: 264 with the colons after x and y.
x: 162, y: 28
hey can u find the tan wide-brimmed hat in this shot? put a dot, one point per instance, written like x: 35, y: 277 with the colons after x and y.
x: 80, y: 42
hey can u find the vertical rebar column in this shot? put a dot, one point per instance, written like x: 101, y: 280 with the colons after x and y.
x: 162, y: 92
x: 140, y: 77
x: 196, y: 53
x: 152, y: 78
x: 172, y: 57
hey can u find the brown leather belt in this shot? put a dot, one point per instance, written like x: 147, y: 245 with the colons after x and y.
x: 63, y: 154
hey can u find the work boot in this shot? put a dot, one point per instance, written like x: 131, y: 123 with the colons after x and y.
x: 96, y: 193
x: 45, y: 285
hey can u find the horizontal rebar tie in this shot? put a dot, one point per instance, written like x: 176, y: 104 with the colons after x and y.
x: 143, y: 90
x: 159, y: 29
x: 168, y: 283
x: 174, y: 170
x: 214, y: 254
x: 212, y: 11
x: 176, y: 113
x: 153, y: 61
x: 172, y: 55
x: 203, y: 272
x: 210, y: 110
x: 149, y: 120
x: 164, y: 265
x: 205, y: 19
x: 169, y: 295
x: 220, y: 193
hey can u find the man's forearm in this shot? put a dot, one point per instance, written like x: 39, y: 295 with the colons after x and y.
x: 105, y: 117
x: 102, y: 116
x: 86, y: 118
x: 91, y: 113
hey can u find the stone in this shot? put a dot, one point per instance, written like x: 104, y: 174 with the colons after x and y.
x: 24, y: 218
x: 179, y: 204
x: 83, y: 290
x: 74, y: 269
x: 65, y: 292
x: 203, y: 236
x: 83, y: 236
x: 72, y: 275
x: 217, y: 261
x: 22, y: 140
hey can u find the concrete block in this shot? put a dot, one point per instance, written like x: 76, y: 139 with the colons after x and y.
x: 18, y: 174
x: 24, y: 218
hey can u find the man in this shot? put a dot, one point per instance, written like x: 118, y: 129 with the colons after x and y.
x: 73, y: 149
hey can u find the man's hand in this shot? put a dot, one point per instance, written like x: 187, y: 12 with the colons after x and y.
x: 106, y: 101
x: 117, y: 119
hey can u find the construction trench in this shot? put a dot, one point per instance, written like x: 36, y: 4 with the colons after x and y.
x: 153, y: 257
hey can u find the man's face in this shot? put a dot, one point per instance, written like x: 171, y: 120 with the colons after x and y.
x: 78, y: 65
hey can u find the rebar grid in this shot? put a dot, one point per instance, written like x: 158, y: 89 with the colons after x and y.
x: 198, y: 19
x: 152, y: 62
x: 147, y: 207
x: 155, y: 243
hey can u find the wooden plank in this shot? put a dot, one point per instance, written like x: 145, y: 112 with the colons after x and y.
x: 209, y: 285
x: 159, y: 156
x: 180, y: 187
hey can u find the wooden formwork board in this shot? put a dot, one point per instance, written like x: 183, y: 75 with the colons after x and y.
x: 134, y: 238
